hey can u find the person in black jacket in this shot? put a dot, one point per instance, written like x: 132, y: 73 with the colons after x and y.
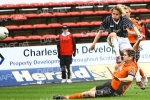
x: 144, y: 28
x: 147, y: 33
x: 66, y: 47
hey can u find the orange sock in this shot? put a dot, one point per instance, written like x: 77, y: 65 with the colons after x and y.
x: 142, y: 73
x: 73, y: 96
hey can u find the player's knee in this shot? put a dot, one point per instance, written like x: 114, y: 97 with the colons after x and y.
x: 93, y: 89
x: 88, y: 94
x: 99, y: 93
x: 113, y: 34
x: 85, y: 94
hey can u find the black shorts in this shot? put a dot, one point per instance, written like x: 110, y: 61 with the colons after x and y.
x: 65, y: 60
x: 105, y: 90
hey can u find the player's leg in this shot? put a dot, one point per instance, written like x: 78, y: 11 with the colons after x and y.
x: 98, y: 91
x: 137, y: 55
x: 138, y: 80
x: 104, y: 91
x: 142, y: 73
x: 124, y: 44
x: 138, y: 75
x: 63, y: 69
x: 113, y: 42
x: 121, y: 53
x: 137, y: 52
x: 140, y: 70
x: 99, y: 87
x: 87, y: 94
x: 144, y: 77
x: 68, y: 62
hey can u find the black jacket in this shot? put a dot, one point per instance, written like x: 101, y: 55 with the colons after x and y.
x: 147, y: 33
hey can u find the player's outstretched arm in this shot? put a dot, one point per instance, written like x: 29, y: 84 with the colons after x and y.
x: 137, y: 32
x: 98, y: 35
x: 127, y: 79
x: 136, y: 45
x: 130, y: 32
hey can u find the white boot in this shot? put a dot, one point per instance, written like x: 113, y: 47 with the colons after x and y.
x: 146, y: 80
x: 69, y: 81
x: 63, y: 81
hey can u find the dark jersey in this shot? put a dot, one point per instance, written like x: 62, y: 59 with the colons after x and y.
x: 119, y: 27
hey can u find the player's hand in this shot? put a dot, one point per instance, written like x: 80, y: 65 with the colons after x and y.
x: 141, y: 37
x: 116, y: 78
x: 92, y: 47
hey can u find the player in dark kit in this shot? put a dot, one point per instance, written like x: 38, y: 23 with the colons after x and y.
x: 116, y: 25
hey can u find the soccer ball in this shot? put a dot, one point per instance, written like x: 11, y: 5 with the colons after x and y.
x: 3, y: 33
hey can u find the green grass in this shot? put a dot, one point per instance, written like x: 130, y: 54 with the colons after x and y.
x: 45, y: 92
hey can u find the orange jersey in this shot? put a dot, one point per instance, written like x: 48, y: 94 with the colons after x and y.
x: 122, y: 72
x: 132, y: 38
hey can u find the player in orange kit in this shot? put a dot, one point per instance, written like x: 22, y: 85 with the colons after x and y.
x: 122, y: 78
x: 133, y: 38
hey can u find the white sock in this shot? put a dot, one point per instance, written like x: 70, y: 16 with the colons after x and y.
x: 115, y: 46
x: 145, y: 80
x: 138, y: 76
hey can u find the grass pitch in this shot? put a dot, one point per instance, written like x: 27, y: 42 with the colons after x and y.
x: 45, y: 92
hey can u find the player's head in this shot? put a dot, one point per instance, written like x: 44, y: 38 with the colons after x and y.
x: 129, y: 55
x: 139, y: 20
x: 127, y: 11
x: 65, y: 28
x: 117, y: 11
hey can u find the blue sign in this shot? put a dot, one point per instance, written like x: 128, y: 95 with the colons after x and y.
x: 44, y: 75
x: 2, y: 59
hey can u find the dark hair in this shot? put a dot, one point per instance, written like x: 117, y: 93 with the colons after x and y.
x: 132, y: 53
x: 65, y: 27
x: 138, y: 18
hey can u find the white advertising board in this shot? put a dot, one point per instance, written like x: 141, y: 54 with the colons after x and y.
x: 46, y: 56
